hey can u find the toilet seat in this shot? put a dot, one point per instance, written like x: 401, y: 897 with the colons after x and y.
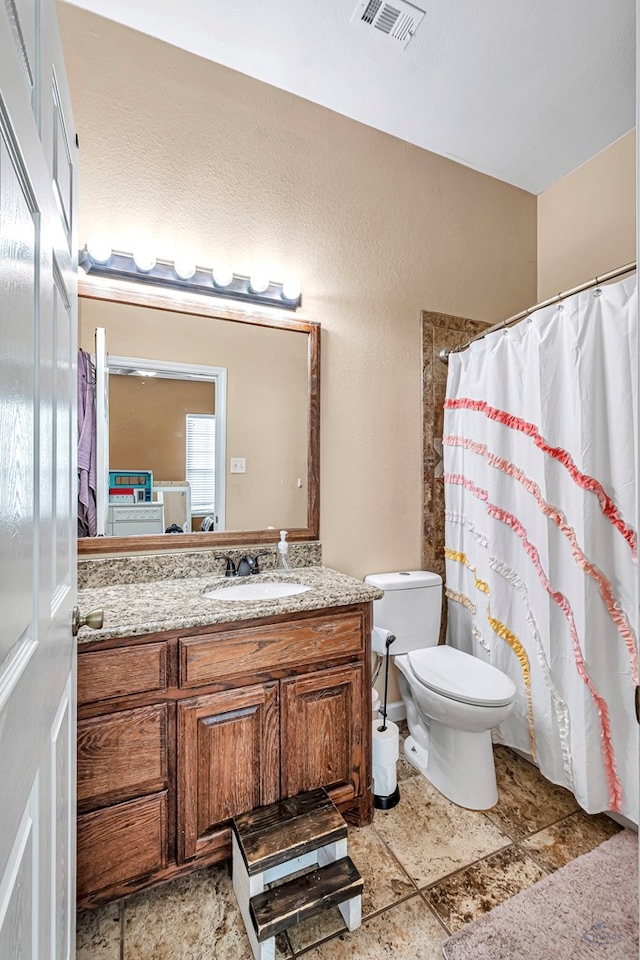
x: 459, y: 676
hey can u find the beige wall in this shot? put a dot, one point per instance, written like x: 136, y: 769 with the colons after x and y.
x: 147, y: 423
x: 267, y: 390
x: 210, y: 162
x: 587, y: 221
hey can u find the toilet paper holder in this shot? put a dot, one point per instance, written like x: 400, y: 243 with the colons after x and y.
x: 388, y: 641
x: 386, y: 773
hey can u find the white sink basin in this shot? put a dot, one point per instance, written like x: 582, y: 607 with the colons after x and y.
x: 256, y: 591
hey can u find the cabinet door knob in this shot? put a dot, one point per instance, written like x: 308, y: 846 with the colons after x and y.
x: 94, y: 620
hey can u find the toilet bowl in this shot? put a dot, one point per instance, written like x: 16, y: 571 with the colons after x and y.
x: 452, y: 699
x: 453, y: 702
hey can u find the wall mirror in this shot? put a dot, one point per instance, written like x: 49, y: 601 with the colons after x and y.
x: 182, y: 370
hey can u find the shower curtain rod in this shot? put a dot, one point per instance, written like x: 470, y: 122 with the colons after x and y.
x: 619, y: 272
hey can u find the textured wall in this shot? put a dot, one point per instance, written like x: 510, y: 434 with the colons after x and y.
x: 208, y: 161
x: 148, y: 423
x: 587, y: 221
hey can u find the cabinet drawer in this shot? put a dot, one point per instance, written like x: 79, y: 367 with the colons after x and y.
x: 122, y: 755
x: 249, y: 651
x: 104, y: 674
x: 121, y: 843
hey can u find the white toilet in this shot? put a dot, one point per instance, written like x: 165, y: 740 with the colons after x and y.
x: 452, y: 699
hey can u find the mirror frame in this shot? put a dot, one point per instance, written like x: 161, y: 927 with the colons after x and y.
x: 176, y: 301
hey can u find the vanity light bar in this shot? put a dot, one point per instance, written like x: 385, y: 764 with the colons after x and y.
x: 122, y: 266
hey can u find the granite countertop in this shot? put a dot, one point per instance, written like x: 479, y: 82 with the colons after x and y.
x: 132, y: 609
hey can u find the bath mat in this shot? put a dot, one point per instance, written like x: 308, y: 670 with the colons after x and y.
x: 587, y: 909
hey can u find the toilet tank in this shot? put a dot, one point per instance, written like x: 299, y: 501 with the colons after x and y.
x: 410, y: 608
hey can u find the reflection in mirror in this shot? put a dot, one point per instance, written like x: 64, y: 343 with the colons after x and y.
x: 171, y: 418
x: 172, y: 361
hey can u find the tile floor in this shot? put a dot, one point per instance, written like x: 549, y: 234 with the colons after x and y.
x: 428, y: 868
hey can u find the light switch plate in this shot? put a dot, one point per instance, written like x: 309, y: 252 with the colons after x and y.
x: 238, y: 465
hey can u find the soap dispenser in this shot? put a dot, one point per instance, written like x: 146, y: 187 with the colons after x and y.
x: 283, y: 552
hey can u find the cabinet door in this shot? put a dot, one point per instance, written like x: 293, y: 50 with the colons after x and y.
x: 321, y: 731
x: 228, y: 761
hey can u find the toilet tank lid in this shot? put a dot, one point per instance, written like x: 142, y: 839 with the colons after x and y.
x: 404, y: 580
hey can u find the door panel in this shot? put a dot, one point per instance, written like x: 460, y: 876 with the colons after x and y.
x: 37, y: 522
x: 63, y: 489
x: 228, y: 760
x: 62, y: 163
x: 18, y: 240
x: 23, y: 16
x: 19, y: 891
x: 63, y: 839
x: 321, y: 728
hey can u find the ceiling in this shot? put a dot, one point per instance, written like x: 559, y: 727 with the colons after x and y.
x: 523, y: 90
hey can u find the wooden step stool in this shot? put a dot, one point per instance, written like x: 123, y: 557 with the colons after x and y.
x: 303, y: 832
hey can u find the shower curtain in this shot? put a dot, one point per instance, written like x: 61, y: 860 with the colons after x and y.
x: 540, y: 538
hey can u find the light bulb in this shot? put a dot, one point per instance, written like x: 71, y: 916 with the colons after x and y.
x: 291, y: 290
x: 185, y: 269
x: 144, y: 261
x: 222, y: 275
x: 258, y: 282
x: 98, y: 250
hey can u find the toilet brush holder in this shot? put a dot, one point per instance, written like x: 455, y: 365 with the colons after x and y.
x: 386, y: 740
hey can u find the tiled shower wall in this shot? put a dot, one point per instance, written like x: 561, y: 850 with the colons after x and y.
x: 438, y: 330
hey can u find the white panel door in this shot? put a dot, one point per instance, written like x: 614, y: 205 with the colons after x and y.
x: 37, y: 487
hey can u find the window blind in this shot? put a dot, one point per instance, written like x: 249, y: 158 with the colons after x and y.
x: 201, y: 462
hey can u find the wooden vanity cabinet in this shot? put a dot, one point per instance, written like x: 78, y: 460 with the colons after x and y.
x: 179, y: 732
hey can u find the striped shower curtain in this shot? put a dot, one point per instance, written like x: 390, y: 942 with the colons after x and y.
x: 541, y: 551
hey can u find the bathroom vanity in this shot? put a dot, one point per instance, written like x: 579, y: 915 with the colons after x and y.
x: 191, y: 711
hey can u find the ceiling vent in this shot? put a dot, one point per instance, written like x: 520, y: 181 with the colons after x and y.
x: 395, y: 22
